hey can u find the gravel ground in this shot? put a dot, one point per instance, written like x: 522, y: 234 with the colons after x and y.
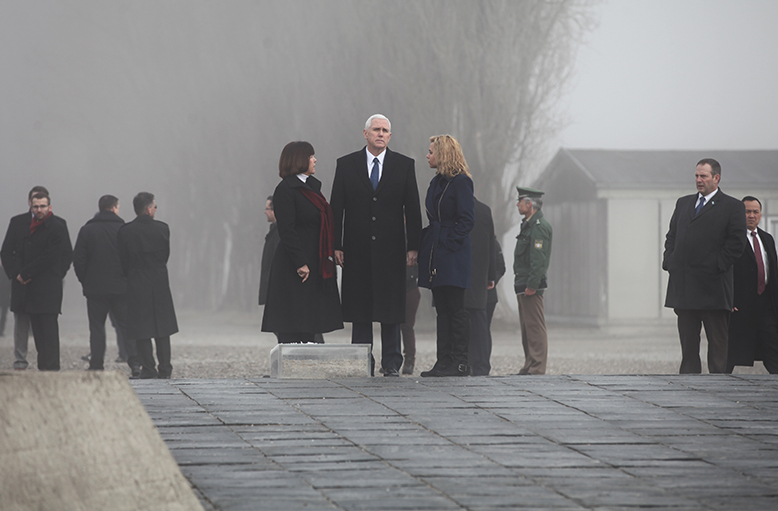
x: 231, y: 345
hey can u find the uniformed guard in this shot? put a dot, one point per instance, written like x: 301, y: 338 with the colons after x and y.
x: 530, y: 263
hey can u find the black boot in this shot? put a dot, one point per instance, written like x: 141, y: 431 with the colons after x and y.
x: 444, y: 354
x: 460, y: 345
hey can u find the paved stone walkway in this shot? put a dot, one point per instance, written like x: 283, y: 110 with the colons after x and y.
x: 512, y: 442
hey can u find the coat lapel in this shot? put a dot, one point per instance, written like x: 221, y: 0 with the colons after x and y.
x: 363, y: 171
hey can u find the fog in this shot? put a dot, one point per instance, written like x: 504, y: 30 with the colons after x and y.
x: 193, y: 101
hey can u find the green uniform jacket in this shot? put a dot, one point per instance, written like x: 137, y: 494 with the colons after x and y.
x: 533, y: 251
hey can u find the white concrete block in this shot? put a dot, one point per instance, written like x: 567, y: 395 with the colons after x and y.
x: 319, y: 361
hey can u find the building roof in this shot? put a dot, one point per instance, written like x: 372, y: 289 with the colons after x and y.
x: 605, y: 168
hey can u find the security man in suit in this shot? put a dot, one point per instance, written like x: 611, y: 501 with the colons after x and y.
x: 753, y: 328
x: 530, y: 264
x: 707, y: 234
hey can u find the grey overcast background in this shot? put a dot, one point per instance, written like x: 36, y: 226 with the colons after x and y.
x: 193, y: 100
x: 677, y: 74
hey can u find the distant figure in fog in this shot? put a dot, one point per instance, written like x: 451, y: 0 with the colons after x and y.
x: 99, y: 269
x: 483, y: 274
x: 11, y: 255
x: 707, y: 234
x: 302, y: 296
x: 445, y: 254
x: 272, y: 239
x: 375, y: 201
x: 144, y: 249
x: 753, y: 329
x: 5, y: 299
x: 40, y: 255
x: 530, y: 264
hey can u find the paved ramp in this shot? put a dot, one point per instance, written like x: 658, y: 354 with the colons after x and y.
x: 673, y: 442
x: 82, y: 440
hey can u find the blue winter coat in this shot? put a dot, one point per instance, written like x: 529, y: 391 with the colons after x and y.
x: 444, y: 254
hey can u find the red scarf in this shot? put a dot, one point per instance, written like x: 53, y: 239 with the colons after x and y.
x: 326, y: 233
x: 35, y: 222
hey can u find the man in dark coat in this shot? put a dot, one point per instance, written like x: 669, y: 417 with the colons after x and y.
x: 375, y: 203
x: 753, y: 328
x: 271, y: 244
x: 11, y: 254
x: 98, y: 268
x: 482, y: 277
x: 144, y: 249
x: 707, y: 234
x: 40, y: 268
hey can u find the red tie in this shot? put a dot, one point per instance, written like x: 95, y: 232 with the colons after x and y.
x: 760, y: 284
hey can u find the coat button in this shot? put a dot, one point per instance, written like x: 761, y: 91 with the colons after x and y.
x: 373, y: 238
x: 373, y: 219
x: 375, y: 199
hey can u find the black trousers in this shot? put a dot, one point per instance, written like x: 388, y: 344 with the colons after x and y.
x: 45, y: 331
x: 766, y: 334
x: 391, y: 354
x: 480, y: 342
x: 716, y: 322
x: 97, y: 308
x: 146, y: 354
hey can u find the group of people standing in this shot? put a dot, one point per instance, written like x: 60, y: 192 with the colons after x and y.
x: 372, y: 230
x: 122, y: 269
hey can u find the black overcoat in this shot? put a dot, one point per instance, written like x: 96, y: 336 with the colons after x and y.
x: 371, y: 227
x: 484, y: 265
x: 144, y: 249
x: 292, y: 305
x: 744, y: 322
x: 700, y: 251
x: 43, y: 256
x: 445, y: 254
x: 96, y: 256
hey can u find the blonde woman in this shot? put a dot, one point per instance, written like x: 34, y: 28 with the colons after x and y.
x: 444, y: 257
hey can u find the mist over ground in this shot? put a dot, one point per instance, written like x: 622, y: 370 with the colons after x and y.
x: 193, y: 101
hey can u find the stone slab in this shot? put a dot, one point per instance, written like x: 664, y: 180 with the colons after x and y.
x: 82, y: 440
x: 320, y: 361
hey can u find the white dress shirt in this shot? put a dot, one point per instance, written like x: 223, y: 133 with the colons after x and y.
x: 370, y: 158
x: 764, y: 253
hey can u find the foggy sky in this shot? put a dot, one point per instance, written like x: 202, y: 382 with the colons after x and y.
x: 672, y: 74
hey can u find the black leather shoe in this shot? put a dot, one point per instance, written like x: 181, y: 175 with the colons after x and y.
x: 147, y: 375
x: 391, y: 373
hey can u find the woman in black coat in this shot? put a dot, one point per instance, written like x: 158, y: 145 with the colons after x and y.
x: 302, y: 297
x: 444, y: 256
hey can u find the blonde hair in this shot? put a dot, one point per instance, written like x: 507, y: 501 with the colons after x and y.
x: 448, y: 155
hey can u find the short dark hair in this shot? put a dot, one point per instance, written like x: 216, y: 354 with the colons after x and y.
x: 295, y: 159
x: 36, y: 189
x: 715, y: 167
x: 107, y: 203
x: 751, y: 197
x: 270, y: 198
x: 41, y: 195
x: 142, y: 201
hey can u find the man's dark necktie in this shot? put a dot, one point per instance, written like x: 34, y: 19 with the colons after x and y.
x: 699, y: 206
x: 374, y: 174
x: 760, y: 276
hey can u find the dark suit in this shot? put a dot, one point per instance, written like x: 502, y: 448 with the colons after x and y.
x: 144, y: 249
x: 271, y: 244
x: 700, y: 250
x: 483, y: 270
x: 753, y: 328
x: 371, y: 228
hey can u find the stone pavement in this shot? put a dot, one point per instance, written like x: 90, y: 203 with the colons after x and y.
x: 511, y: 442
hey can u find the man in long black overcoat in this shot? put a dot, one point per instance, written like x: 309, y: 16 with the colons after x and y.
x: 43, y: 257
x: 11, y: 254
x: 753, y: 329
x: 375, y: 203
x: 707, y: 234
x: 144, y: 249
